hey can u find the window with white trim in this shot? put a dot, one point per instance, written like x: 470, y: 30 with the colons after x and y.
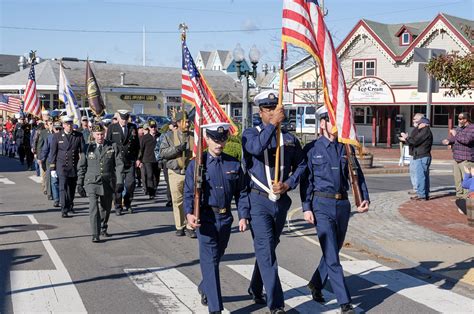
x: 370, y: 68
x: 440, y: 116
x: 138, y: 108
x: 406, y: 38
x: 358, y: 68
x: 362, y: 115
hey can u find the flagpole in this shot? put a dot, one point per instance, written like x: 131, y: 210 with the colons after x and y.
x: 280, y: 105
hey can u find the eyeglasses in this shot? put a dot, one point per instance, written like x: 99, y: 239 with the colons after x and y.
x: 461, y: 118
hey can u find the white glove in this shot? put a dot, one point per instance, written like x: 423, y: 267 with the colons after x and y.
x: 54, y: 174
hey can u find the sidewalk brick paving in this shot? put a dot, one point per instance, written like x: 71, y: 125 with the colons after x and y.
x: 439, y: 215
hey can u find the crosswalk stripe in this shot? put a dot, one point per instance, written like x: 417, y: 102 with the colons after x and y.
x: 49, y: 291
x: 173, y: 292
x: 295, y: 292
x: 6, y: 181
x: 35, y: 178
x: 417, y: 290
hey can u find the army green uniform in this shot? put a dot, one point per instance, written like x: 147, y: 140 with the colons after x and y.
x: 99, y: 170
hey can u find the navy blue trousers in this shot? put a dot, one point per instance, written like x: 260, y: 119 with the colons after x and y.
x: 332, y: 219
x: 267, y: 221
x: 213, y: 236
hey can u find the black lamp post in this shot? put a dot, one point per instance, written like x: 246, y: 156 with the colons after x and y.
x: 243, y: 75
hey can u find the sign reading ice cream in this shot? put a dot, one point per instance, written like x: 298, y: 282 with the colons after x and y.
x: 370, y: 90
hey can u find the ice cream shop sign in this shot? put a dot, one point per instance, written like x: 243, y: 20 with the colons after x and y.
x: 371, y: 90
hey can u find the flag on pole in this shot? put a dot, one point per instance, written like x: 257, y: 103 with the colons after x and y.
x: 304, y: 26
x: 10, y: 103
x: 96, y: 103
x: 31, y: 100
x: 66, y: 95
x: 285, y: 74
x: 197, y: 92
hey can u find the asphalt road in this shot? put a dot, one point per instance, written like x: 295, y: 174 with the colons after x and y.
x: 48, y: 263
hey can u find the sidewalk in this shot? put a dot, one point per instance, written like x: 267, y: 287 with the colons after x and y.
x: 437, y: 152
x: 430, y: 236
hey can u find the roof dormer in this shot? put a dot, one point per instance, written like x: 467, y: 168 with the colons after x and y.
x: 406, y: 35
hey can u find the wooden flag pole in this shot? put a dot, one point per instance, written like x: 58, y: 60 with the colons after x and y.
x: 280, y: 105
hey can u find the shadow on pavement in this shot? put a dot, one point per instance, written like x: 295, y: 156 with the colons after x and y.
x: 6, y: 260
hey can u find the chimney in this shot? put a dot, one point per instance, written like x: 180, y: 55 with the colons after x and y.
x: 265, y: 68
x: 122, y: 78
x: 21, y: 63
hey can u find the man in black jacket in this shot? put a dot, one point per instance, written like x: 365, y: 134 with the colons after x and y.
x: 125, y: 135
x: 150, y: 170
x: 421, y: 139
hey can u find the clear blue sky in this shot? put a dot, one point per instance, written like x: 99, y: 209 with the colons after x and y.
x: 251, y: 21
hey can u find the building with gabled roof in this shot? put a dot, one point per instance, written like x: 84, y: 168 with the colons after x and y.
x: 382, y: 77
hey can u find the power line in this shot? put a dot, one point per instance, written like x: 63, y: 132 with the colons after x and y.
x: 135, y: 32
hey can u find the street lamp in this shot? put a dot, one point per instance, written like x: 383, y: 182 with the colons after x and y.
x: 243, y: 75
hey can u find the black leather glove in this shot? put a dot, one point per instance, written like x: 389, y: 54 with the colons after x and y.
x: 119, y: 188
x: 182, y: 147
x: 81, y: 191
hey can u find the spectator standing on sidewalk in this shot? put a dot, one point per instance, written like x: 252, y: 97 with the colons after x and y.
x: 422, y: 140
x: 416, y: 120
x: 462, y: 139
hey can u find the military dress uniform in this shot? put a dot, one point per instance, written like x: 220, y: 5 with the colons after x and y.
x: 126, y: 138
x: 99, y: 170
x: 323, y: 190
x: 21, y: 137
x: 63, y: 158
x: 268, y: 215
x: 222, y: 181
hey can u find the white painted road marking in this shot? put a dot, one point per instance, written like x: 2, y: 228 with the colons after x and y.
x: 443, y: 301
x: 172, y: 291
x: 35, y: 178
x: 6, y: 181
x: 48, y: 291
x: 295, y: 291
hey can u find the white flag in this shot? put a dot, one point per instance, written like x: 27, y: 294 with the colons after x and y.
x: 66, y: 95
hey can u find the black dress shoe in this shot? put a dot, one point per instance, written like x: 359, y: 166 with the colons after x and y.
x: 105, y: 234
x: 257, y: 297
x: 56, y: 204
x: 203, y: 297
x: 65, y: 215
x: 130, y: 210
x: 279, y: 310
x: 316, y: 293
x: 180, y: 232
x: 190, y: 233
x: 95, y: 239
x: 169, y: 204
x: 118, y: 211
x: 347, y: 308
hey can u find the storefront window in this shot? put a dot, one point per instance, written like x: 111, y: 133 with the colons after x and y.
x: 362, y: 115
x: 45, y: 100
x: 440, y: 116
x: 55, y: 101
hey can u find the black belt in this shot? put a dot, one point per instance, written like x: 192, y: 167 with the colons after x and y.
x: 256, y: 191
x: 337, y: 196
x: 218, y: 210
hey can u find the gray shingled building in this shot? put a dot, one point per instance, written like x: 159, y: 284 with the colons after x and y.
x: 150, y: 90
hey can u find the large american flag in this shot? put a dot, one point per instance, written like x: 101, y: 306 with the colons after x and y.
x: 303, y: 26
x: 10, y: 103
x: 31, y: 100
x: 197, y: 92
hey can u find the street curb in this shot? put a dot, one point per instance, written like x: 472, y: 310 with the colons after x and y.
x: 397, y: 160
x: 383, y: 170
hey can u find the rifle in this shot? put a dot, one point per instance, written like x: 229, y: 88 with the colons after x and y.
x: 198, y: 172
x: 353, y: 168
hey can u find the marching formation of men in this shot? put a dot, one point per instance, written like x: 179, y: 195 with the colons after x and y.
x: 102, y: 161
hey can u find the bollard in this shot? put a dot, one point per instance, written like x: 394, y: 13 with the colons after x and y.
x: 470, y: 211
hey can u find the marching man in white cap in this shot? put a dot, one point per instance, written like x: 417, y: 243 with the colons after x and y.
x: 66, y: 146
x: 222, y: 181
x: 269, y: 201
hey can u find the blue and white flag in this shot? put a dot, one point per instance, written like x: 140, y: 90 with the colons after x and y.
x: 66, y: 95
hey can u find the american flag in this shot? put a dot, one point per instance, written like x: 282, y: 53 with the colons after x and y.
x: 303, y: 26
x: 197, y: 92
x: 9, y: 103
x: 32, y: 103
